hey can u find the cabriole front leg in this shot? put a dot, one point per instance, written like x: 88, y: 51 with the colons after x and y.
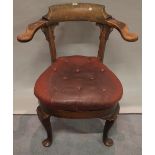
x: 45, y: 120
x: 108, y: 124
x: 106, y: 140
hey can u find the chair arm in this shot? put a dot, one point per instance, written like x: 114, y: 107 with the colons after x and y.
x: 31, y: 30
x: 123, y: 29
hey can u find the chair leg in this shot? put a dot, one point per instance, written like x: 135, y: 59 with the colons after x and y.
x: 107, y: 141
x: 45, y: 120
x: 108, y: 124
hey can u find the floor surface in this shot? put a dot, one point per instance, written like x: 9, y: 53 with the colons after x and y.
x: 77, y: 137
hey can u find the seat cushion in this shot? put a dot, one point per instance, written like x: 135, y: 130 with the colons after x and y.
x: 78, y: 83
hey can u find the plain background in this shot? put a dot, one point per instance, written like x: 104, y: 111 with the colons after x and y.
x: 31, y: 59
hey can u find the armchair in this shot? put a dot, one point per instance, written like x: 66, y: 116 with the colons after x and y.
x: 78, y: 86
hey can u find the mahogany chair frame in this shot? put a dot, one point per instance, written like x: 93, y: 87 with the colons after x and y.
x: 106, y: 25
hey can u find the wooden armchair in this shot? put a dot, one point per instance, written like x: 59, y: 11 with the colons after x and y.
x: 77, y: 86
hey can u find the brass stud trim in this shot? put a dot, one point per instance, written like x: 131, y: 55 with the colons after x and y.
x: 90, y: 9
x: 74, y: 3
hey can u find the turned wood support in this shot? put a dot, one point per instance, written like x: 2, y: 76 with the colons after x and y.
x: 45, y: 120
x: 50, y: 37
x: 104, y: 34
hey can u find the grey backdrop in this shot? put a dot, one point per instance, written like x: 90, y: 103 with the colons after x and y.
x: 31, y: 59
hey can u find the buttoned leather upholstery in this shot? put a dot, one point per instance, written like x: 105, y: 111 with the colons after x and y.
x: 78, y: 83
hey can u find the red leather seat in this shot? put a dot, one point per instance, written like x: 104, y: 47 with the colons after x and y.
x: 78, y: 83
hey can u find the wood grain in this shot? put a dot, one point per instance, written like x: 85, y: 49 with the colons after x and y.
x: 123, y: 29
x: 30, y: 31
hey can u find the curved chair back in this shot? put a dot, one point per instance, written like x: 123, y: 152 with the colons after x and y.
x: 77, y: 12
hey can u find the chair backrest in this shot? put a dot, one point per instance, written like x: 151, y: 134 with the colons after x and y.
x: 77, y: 12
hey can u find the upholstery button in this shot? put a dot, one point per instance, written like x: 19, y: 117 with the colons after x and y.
x: 92, y: 78
x: 55, y: 89
x: 55, y: 69
x: 65, y: 78
x: 89, y: 60
x: 103, y: 89
x: 66, y: 60
x: 79, y: 88
x: 102, y: 70
x: 77, y: 70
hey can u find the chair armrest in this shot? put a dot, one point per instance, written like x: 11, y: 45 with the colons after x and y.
x: 123, y: 29
x: 31, y: 30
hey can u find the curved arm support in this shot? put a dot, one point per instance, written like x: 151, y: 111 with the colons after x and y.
x: 31, y: 30
x: 123, y: 29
